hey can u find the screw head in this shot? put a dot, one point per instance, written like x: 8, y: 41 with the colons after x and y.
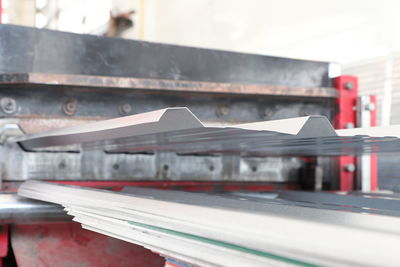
x: 70, y: 106
x: 222, y: 111
x: 350, y: 167
x: 124, y: 108
x: 8, y: 105
x: 349, y: 85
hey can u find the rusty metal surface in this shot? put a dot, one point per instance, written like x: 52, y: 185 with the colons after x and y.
x: 68, y: 245
x: 32, y: 125
x: 24, y: 50
x: 102, y: 103
x: 164, y: 85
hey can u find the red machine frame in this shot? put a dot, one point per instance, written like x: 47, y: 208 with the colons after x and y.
x: 1, y: 10
x: 346, y: 117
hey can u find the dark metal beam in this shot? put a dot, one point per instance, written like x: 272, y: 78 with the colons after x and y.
x: 164, y: 85
x: 25, y: 50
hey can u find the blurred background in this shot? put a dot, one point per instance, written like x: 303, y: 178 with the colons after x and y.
x: 360, y: 35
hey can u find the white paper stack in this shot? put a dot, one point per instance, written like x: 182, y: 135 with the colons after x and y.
x: 211, y: 230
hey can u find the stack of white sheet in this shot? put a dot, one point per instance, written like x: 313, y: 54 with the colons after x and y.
x: 222, y: 231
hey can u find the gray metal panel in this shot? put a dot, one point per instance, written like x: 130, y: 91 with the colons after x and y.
x: 25, y: 50
x: 178, y: 130
x: 159, y: 121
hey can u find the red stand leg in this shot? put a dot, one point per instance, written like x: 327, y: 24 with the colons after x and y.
x: 3, y: 242
x: 347, y: 87
x: 374, y: 158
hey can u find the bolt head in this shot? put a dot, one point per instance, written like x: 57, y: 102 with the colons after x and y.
x: 349, y: 85
x: 124, y: 108
x: 8, y: 105
x: 350, y: 167
x: 70, y: 106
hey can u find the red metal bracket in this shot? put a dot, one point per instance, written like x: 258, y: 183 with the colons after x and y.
x: 347, y: 87
x: 374, y: 158
x: 3, y: 242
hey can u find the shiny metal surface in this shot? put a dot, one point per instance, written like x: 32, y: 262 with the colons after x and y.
x: 247, y: 143
x: 178, y: 130
x: 158, y: 121
x: 18, y: 210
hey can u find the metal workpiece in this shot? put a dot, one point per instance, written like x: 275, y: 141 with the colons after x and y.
x: 370, y: 203
x: 27, y: 50
x: 171, y: 120
x: 160, y: 121
x: 19, y: 210
x: 180, y: 131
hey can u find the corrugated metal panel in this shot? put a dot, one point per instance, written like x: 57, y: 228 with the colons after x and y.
x: 178, y: 130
